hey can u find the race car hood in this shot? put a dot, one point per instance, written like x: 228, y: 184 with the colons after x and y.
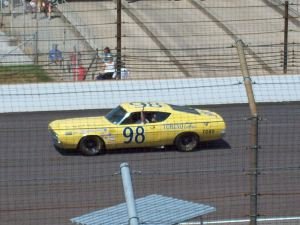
x: 80, y: 123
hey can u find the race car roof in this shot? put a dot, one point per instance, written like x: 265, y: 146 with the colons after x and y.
x: 146, y: 106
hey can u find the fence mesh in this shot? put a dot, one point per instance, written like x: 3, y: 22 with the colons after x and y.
x: 182, y: 50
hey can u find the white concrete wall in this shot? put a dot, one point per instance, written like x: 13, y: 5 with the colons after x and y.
x: 108, y: 94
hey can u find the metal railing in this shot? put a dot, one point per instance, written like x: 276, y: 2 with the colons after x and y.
x: 78, y: 22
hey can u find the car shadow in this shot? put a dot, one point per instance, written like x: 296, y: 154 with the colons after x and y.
x: 214, y: 145
x: 67, y: 152
x: 203, y: 146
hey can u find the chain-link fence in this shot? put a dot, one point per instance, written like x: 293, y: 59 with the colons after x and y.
x: 250, y: 176
x: 168, y: 39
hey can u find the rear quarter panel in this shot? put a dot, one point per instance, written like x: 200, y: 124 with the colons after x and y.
x: 205, y: 127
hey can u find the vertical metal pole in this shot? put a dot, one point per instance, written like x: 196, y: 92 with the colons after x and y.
x: 246, y: 76
x: 36, y: 57
x: 36, y: 38
x: 286, y: 27
x: 129, y: 195
x: 24, y: 22
x: 76, y: 64
x: 11, y: 16
x: 253, y: 154
x: 119, y: 38
x: 1, y: 15
x: 64, y: 41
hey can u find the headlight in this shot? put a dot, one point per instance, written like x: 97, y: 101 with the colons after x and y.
x: 54, y: 136
x: 223, y: 132
x: 68, y: 133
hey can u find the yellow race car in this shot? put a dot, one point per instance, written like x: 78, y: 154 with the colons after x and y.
x: 136, y: 125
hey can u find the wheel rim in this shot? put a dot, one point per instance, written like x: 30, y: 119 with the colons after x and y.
x: 92, y: 145
x: 189, y: 141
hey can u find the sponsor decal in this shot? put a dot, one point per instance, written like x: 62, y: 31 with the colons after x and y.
x: 181, y: 126
x: 108, y: 137
x: 94, y: 130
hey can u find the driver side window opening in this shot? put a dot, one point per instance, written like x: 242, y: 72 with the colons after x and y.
x: 133, y: 118
x: 155, y: 117
x: 145, y: 117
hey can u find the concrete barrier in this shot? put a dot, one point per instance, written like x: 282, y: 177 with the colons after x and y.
x: 108, y: 94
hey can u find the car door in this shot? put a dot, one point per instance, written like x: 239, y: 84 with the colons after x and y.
x: 135, y: 132
x: 154, y: 127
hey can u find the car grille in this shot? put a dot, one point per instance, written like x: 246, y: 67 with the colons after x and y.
x: 54, y: 136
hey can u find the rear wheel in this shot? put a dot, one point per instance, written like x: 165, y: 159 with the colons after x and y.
x: 186, y: 142
x: 91, y: 145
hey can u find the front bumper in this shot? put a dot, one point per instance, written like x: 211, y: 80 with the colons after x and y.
x: 55, y: 138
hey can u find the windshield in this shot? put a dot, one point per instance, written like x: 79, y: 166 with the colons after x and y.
x: 116, y: 115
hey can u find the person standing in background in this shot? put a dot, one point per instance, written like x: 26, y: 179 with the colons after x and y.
x: 108, y: 70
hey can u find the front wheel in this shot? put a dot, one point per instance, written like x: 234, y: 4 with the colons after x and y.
x: 91, y: 145
x: 186, y: 142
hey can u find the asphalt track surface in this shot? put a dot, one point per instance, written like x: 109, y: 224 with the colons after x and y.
x: 40, y: 185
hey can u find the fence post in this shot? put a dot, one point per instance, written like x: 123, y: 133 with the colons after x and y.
x: 129, y: 195
x: 36, y: 55
x: 36, y: 38
x: 11, y: 9
x: 119, y: 38
x: 253, y: 154
x: 286, y: 27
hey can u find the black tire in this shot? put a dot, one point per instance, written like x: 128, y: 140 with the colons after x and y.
x: 186, y: 142
x: 91, y: 145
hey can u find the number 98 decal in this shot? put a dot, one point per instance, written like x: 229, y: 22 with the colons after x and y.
x: 137, y: 137
x: 145, y: 104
